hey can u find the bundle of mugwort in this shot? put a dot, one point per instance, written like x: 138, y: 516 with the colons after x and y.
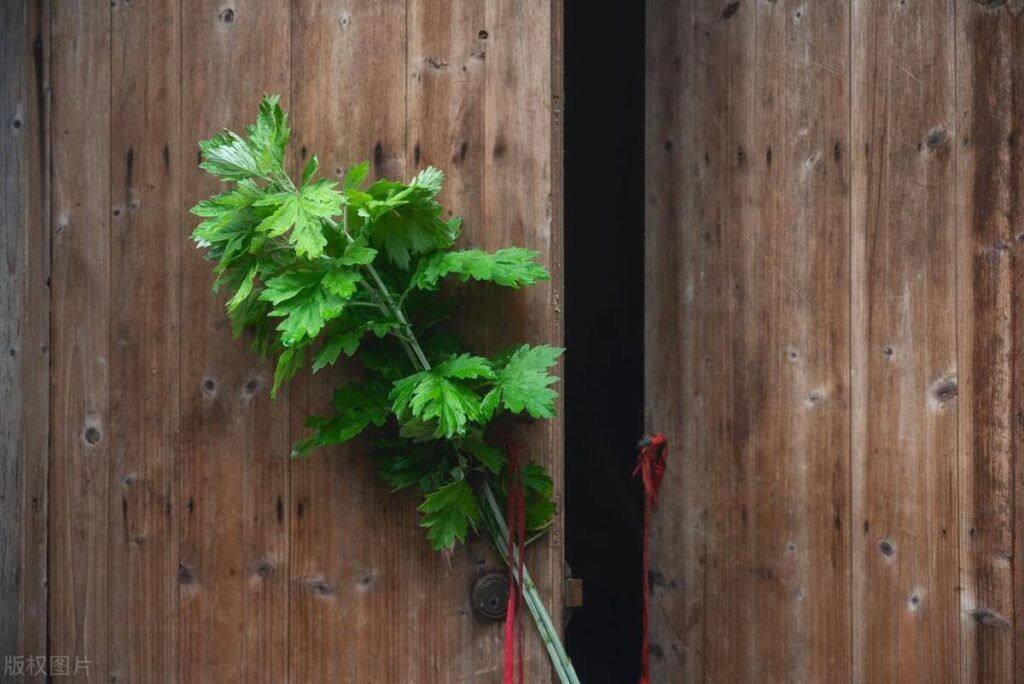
x: 317, y: 270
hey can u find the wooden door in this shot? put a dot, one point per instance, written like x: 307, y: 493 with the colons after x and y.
x: 833, y: 340
x: 177, y: 540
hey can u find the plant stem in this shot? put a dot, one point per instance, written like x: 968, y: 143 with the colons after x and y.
x: 549, y: 635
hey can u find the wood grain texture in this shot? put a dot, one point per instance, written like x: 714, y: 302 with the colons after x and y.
x: 989, y: 165
x: 145, y: 187
x: 13, y: 22
x: 24, y: 328
x: 679, y: 328
x: 447, y: 67
x: 233, y: 479
x: 904, y: 358
x: 523, y: 144
x: 35, y: 393
x: 80, y: 594
x: 748, y: 287
x: 184, y: 546
x: 353, y: 545
x: 796, y: 255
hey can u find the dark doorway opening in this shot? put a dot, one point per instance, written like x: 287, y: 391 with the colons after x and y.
x: 604, y: 260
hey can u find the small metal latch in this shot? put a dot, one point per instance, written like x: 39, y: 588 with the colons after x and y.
x: 489, y: 597
x: 573, y: 592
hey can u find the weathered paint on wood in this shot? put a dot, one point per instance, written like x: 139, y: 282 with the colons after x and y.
x: 183, y: 543
x: 867, y: 156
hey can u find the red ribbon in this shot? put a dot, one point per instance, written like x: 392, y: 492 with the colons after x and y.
x: 650, y: 465
x: 516, y: 546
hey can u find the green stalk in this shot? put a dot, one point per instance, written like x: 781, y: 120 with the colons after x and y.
x: 548, y: 633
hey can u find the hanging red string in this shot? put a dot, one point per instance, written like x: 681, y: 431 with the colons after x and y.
x: 516, y: 546
x: 650, y: 465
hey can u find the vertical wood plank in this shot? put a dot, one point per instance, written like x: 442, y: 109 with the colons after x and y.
x: 990, y: 112
x: 679, y: 321
x: 904, y: 359
x: 447, y: 67
x: 145, y: 212
x: 354, y: 545
x: 748, y: 339
x: 798, y: 269
x: 36, y: 331
x: 13, y: 233
x: 24, y: 331
x: 723, y: 218
x: 79, y: 487
x: 233, y: 477
x: 523, y: 206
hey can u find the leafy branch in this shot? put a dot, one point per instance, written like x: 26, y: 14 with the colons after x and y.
x: 313, y: 269
x: 318, y: 270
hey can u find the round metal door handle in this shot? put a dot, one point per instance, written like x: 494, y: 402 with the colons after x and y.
x: 489, y: 597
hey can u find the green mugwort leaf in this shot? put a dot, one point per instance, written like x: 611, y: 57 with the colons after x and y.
x: 523, y: 383
x: 310, y: 170
x: 448, y: 514
x: 229, y: 156
x: 356, y: 175
x: 511, y: 267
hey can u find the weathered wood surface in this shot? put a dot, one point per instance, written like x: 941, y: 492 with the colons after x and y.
x: 748, y: 339
x: 82, y: 455
x: 183, y: 544
x: 145, y: 249
x: 905, y: 404
x: 24, y: 327
x: 990, y: 342
x: 233, y: 501
x: 833, y: 341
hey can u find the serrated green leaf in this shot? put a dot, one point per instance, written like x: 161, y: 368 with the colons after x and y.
x: 538, y: 486
x: 356, y: 406
x: 511, y: 267
x: 268, y: 137
x: 305, y: 314
x: 417, y: 430
x: 410, y: 231
x: 430, y: 178
x: 405, y: 220
x: 523, y: 382
x: 228, y: 156
x: 347, y: 341
x: 282, y: 219
x: 357, y: 253
x: 403, y: 463
x: 448, y: 514
x: 464, y: 367
x: 341, y: 282
x: 356, y: 175
x: 310, y: 170
x: 490, y: 457
x: 287, y: 285
x: 288, y: 364
x: 428, y: 395
x: 244, y: 288
x: 302, y: 213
